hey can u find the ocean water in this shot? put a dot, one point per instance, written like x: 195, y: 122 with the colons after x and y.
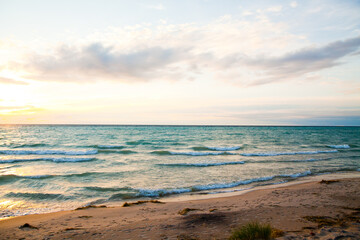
x: 50, y: 168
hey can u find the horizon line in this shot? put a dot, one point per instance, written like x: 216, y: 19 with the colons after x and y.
x: 167, y: 125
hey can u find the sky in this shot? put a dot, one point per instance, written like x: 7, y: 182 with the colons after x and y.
x: 190, y: 62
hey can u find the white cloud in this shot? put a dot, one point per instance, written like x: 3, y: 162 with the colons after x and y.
x: 239, y: 51
x: 303, y: 61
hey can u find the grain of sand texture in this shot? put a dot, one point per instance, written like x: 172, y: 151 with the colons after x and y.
x: 311, y: 210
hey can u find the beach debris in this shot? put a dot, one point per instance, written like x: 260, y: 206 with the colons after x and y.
x: 73, y: 228
x: 26, y: 225
x: 186, y: 210
x: 128, y: 204
x: 86, y: 217
x: 212, y: 210
x: 328, y: 181
x: 91, y: 206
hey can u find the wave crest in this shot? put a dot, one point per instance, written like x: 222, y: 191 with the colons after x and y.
x: 48, y: 152
x: 191, y: 153
x: 216, y: 148
x: 265, y: 154
x: 48, y: 159
x: 345, y: 146
x: 198, y: 164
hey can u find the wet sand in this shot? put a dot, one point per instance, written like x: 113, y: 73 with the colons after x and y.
x: 308, y: 210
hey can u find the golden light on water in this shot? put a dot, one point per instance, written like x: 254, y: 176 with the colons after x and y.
x: 10, y: 204
x: 6, y: 205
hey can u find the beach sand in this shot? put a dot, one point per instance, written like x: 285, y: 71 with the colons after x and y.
x: 310, y: 210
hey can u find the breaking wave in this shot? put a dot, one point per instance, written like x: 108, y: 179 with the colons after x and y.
x: 106, y: 146
x: 164, y: 192
x: 345, y: 146
x: 216, y: 148
x: 191, y: 153
x: 48, y: 152
x: 48, y: 159
x: 198, y: 164
x: 286, y: 153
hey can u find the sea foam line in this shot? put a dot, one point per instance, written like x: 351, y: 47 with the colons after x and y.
x: 198, y: 164
x: 286, y: 153
x: 296, y: 175
x: 116, y: 151
x: 48, y: 152
x: 164, y: 192
x: 306, y: 160
x: 48, y: 159
x: 216, y: 148
x: 106, y: 146
x: 345, y: 146
x: 191, y: 153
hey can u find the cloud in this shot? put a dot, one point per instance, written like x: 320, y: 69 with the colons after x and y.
x: 4, y: 80
x: 236, y: 50
x: 99, y: 62
x: 95, y: 61
x: 308, y: 60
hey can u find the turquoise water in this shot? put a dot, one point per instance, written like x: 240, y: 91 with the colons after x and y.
x: 50, y: 168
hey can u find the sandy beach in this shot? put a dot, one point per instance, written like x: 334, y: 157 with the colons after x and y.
x: 328, y: 209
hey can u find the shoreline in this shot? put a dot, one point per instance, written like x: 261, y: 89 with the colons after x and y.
x: 229, y: 192
x: 282, y: 205
x: 206, y: 194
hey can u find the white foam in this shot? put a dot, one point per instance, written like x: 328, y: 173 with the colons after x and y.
x: 160, y: 192
x: 201, y: 164
x: 224, y: 148
x: 48, y: 152
x: 110, y: 146
x: 307, y: 160
x: 200, y: 153
x: 345, y: 146
x: 72, y: 159
x: 296, y: 175
x: 286, y: 153
x: 233, y: 184
x: 47, y: 159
